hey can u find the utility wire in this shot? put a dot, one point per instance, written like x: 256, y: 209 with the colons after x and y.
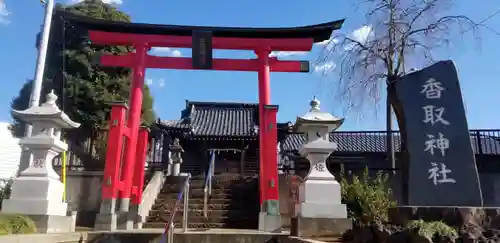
x: 485, y: 26
x: 491, y: 16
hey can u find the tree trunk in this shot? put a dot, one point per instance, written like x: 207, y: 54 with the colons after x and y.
x: 389, y: 135
x: 403, y: 156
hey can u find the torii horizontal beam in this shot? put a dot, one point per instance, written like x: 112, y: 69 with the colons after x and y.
x: 221, y: 64
x: 112, y: 38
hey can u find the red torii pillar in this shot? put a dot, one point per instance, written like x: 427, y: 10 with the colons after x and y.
x: 140, y: 60
x: 117, y: 178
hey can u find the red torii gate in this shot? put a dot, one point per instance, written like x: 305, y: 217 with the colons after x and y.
x: 132, y: 178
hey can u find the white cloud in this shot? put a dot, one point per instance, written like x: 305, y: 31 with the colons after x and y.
x: 161, y: 83
x: 287, y: 53
x: 361, y: 35
x: 328, y: 44
x: 171, y: 52
x: 4, y: 13
x: 176, y: 53
x: 161, y: 49
x: 324, y: 68
x: 115, y: 2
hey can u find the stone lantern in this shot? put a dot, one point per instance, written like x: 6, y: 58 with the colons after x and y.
x: 38, y: 192
x: 175, y: 157
x: 319, y: 194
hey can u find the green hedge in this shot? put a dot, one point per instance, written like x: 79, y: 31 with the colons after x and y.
x: 368, y: 200
x: 433, y: 230
x: 13, y: 224
x: 16, y: 224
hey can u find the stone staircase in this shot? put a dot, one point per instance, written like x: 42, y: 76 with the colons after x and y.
x: 234, y: 203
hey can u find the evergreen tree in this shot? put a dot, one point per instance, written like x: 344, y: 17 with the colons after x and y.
x: 85, y: 90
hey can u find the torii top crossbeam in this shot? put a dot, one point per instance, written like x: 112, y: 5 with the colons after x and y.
x: 318, y: 32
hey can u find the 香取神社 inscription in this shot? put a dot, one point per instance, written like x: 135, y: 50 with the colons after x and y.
x: 438, y: 172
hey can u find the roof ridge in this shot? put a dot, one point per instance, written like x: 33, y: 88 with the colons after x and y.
x: 221, y: 103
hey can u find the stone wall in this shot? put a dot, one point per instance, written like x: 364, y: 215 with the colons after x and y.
x: 489, y: 173
x: 83, y: 194
x: 490, y: 185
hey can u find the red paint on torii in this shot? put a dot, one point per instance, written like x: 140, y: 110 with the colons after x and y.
x: 185, y: 63
x: 113, y: 182
x: 113, y: 38
x: 139, y: 60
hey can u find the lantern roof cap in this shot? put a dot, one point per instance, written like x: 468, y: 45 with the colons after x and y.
x: 48, y: 112
x: 317, y: 117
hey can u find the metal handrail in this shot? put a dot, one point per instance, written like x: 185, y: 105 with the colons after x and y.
x: 168, y: 235
x: 207, y: 186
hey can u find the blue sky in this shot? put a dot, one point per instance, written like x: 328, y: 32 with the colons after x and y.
x: 477, y: 62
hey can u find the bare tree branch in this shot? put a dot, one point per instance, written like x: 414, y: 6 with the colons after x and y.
x: 399, y: 35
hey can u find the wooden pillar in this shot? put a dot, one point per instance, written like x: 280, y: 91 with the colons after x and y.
x: 242, y: 160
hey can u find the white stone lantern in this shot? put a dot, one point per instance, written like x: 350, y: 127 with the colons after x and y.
x: 38, y: 191
x: 319, y: 194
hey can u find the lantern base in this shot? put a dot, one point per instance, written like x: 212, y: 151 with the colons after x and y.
x: 320, y: 199
x: 319, y: 227
x: 36, y: 196
x: 321, y: 210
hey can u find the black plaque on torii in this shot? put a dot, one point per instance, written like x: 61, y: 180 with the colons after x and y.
x: 202, y: 49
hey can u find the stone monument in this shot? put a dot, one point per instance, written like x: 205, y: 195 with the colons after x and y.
x: 38, y: 192
x: 319, y: 209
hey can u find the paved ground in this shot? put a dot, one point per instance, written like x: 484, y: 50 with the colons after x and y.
x: 196, y: 231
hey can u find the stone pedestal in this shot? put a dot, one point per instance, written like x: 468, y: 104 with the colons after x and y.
x: 319, y: 210
x: 313, y: 201
x: 319, y: 227
x: 36, y: 196
x: 110, y: 219
x: 38, y: 192
x: 107, y: 218
x: 176, y: 169
x: 270, y: 223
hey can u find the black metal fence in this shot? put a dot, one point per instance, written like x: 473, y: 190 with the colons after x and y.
x: 91, y: 155
x: 484, y: 142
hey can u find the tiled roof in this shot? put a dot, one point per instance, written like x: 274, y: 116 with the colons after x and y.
x: 218, y: 119
x: 376, y: 142
x: 228, y: 119
x: 346, y: 142
x: 180, y: 124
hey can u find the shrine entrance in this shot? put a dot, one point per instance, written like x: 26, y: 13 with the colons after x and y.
x: 124, y: 179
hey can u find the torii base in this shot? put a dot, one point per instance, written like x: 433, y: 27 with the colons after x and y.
x: 109, y: 220
x: 270, y: 223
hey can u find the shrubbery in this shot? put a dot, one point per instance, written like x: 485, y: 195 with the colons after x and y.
x: 368, y: 200
x: 16, y: 224
x: 13, y: 224
x: 5, y: 187
x: 433, y: 230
